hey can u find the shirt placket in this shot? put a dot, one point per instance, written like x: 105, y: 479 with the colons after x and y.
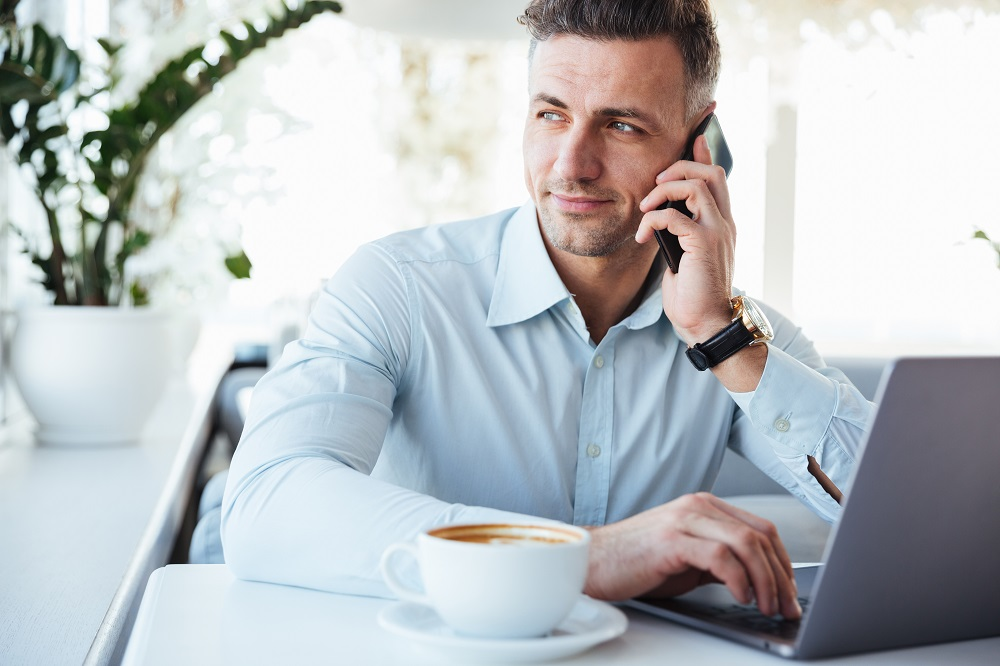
x: 594, y: 447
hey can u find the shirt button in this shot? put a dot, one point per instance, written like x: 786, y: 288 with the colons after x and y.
x: 599, y: 361
x: 593, y: 450
x: 781, y: 425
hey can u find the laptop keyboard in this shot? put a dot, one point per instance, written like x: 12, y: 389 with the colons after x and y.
x: 749, y: 617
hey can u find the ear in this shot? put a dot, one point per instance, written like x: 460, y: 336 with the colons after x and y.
x: 704, y: 114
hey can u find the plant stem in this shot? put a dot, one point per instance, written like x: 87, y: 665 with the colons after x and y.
x: 57, y: 259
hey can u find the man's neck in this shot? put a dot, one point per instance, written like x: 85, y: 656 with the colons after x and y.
x: 606, y: 289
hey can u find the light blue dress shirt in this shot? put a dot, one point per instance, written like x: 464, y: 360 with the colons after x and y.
x: 447, y: 375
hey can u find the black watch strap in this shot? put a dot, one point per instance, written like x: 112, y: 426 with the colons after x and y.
x: 720, y: 346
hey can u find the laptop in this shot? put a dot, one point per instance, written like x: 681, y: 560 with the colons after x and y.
x: 914, y: 558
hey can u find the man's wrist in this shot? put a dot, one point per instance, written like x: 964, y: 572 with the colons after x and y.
x: 749, y: 326
x: 709, y: 325
x: 705, y: 330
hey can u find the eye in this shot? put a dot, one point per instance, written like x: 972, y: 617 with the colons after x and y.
x: 550, y: 115
x: 620, y: 126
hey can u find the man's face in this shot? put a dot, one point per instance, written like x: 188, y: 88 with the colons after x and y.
x: 604, y: 119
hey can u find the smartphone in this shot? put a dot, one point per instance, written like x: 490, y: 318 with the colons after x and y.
x: 721, y: 156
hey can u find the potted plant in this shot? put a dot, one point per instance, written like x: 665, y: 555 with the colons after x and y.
x: 84, y: 173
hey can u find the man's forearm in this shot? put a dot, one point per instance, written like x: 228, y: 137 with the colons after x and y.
x: 315, y: 523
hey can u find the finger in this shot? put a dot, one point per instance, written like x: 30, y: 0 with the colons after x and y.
x: 763, y: 525
x: 701, y: 168
x: 718, y: 561
x: 778, y: 594
x: 783, y: 596
x: 671, y: 190
x: 788, y: 594
x: 751, y: 550
x: 668, y: 219
x: 689, y: 170
x: 697, y: 197
x: 770, y: 583
x: 756, y: 544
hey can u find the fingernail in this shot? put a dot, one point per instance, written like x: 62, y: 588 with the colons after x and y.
x: 643, y: 202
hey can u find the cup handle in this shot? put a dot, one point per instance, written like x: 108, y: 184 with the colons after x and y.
x: 392, y: 579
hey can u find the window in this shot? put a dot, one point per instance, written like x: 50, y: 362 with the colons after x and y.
x: 896, y: 169
x: 864, y: 161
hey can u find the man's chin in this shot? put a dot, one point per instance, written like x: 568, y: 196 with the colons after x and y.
x: 587, y: 245
x: 581, y: 234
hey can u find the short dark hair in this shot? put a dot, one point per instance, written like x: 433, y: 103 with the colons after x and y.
x: 690, y: 23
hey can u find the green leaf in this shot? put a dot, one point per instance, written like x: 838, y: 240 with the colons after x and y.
x: 7, y: 127
x: 65, y: 68
x: 136, y: 242
x: 42, y: 51
x: 51, y: 133
x: 186, y: 60
x: 233, y: 42
x: 982, y: 235
x: 37, y: 67
x: 42, y: 70
x: 109, y: 47
x: 138, y: 293
x: 239, y: 265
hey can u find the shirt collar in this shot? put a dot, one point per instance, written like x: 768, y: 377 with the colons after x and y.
x: 527, y: 283
x: 651, y: 308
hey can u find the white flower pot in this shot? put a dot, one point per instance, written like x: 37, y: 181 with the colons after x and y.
x: 92, y: 375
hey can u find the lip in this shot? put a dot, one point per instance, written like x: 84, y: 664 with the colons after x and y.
x: 578, y: 204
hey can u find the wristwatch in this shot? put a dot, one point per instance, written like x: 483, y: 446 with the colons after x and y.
x: 750, y: 326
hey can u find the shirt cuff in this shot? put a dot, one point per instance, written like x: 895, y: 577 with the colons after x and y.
x: 793, y: 404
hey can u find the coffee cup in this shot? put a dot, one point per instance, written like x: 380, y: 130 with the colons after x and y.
x: 495, y: 580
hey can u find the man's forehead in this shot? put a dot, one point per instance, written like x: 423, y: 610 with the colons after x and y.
x: 624, y: 73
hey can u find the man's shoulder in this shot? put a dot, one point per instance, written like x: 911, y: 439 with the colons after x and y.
x: 463, y: 241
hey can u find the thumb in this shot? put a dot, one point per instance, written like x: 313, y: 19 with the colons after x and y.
x: 702, y: 152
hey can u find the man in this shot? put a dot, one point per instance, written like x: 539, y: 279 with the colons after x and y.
x: 534, y: 362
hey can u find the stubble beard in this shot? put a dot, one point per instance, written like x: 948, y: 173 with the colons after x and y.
x: 578, y: 234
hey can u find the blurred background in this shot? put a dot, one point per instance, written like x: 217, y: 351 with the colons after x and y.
x: 864, y: 135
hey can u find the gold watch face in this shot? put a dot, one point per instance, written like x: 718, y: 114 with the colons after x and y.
x: 756, y: 321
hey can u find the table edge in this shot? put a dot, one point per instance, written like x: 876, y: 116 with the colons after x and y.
x: 157, y: 540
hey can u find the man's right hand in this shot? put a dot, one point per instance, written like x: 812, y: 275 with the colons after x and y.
x: 691, y: 541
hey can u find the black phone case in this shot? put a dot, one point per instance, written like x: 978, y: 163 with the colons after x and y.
x: 721, y: 156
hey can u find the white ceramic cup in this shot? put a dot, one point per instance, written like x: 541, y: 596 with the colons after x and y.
x: 496, y: 581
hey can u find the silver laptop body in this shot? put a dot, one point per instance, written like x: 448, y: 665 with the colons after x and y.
x: 914, y: 558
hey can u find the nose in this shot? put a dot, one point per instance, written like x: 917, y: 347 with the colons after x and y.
x: 579, y: 157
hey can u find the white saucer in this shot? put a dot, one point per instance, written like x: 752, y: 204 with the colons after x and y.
x: 589, y: 623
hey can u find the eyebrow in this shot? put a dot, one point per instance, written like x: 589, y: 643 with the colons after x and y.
x: 607, y: 112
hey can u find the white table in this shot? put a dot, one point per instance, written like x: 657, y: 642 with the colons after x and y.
x: 201, y: 614
x: 81, y: 529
